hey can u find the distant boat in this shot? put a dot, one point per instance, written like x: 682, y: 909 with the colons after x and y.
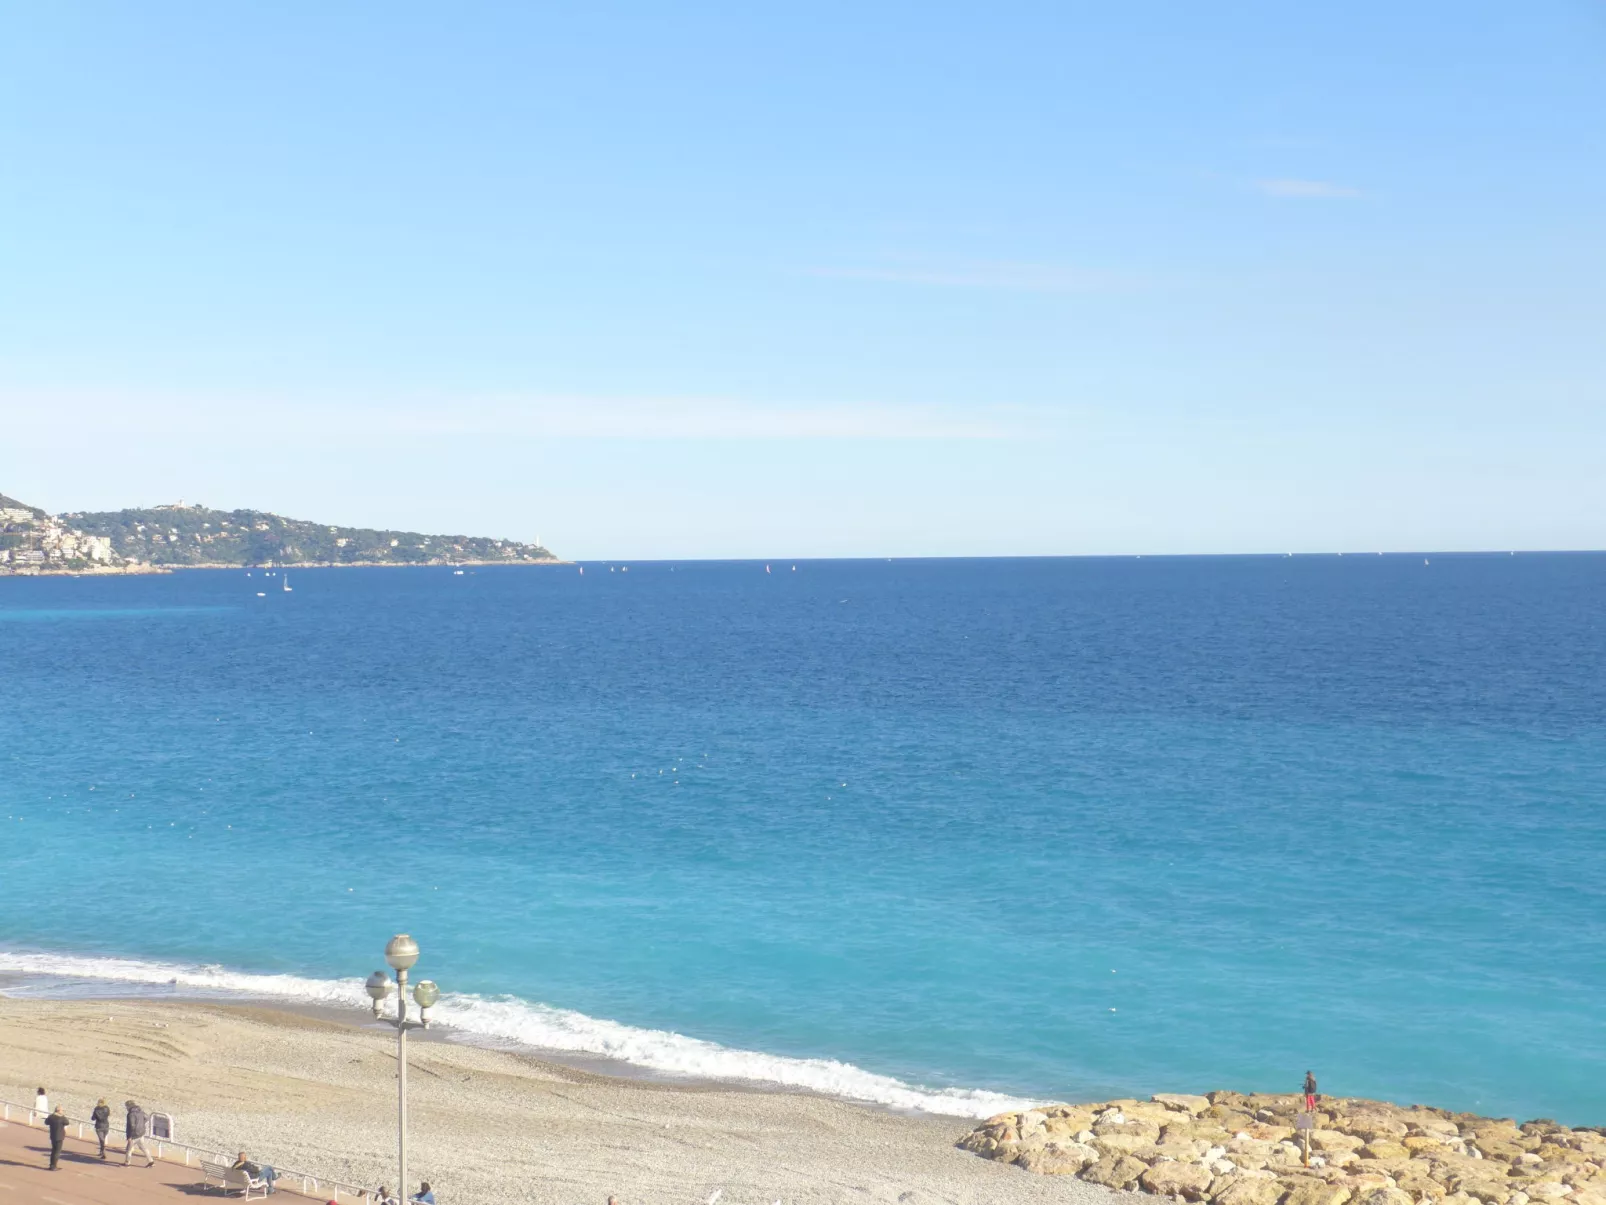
x: 260, y: 594
x: 582, y: 570
x: 766, y: 568
x: 285, y: 582
x: 459, y: 572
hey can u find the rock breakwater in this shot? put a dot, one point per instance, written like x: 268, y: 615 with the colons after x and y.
x: 1236, y: 1149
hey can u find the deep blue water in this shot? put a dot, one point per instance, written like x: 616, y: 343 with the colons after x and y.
x: 1061, y: 828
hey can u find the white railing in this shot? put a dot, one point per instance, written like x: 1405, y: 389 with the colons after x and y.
x: 319, y: 1185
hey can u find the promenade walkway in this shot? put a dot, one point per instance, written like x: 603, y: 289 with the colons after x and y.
x: 85, y: 1180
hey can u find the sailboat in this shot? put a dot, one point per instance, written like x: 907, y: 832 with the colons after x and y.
x: 284, y: 580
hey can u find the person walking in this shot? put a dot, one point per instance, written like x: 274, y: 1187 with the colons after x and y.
x: 41, y: 1103
x: 56, y: 1123
x: 1310, y: 1092
x: 101, y: 1115
x: 134, y: 1131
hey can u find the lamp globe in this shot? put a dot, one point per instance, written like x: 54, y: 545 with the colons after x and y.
x: 401, y: 952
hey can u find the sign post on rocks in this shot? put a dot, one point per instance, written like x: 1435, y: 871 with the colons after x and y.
x: 1305, y: 1123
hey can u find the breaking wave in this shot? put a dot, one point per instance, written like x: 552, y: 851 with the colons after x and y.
x: 509, y: 1019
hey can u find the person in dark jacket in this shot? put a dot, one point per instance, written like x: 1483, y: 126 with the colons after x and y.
x: 1310, y: 1092
x: 257, y: 1171
x: 56, y: 1123
x: 101, y: 1115
x: 134, y: 1131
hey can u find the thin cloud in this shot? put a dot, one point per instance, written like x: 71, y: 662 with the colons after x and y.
x: 1309, y: 190
x: 1003, y: 275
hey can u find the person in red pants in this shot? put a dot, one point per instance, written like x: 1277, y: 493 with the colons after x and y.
x: 1310, y: 1092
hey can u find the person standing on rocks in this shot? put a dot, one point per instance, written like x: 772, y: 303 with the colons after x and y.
x: 1310, y: 1092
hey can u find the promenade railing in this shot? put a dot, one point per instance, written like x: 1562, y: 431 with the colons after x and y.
x: 319, y: 1185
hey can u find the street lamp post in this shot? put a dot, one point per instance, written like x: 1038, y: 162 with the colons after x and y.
x: 401, y: 953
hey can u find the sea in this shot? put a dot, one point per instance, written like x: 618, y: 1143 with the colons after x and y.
x: 939, y: 835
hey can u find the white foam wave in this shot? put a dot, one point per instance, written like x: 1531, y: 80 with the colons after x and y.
x: 510, y: 1019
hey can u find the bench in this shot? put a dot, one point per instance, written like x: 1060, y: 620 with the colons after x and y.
x: 232, y: 1179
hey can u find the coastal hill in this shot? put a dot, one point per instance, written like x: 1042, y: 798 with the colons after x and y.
x: 195, y: 536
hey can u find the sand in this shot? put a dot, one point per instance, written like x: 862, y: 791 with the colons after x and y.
x: 318, y: 1095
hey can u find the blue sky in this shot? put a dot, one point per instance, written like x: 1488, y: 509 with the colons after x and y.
x: 826, y: 279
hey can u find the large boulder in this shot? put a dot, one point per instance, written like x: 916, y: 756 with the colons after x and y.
x: 1121, y: 1140
x: 1551, y: 1152
x: 1128, y: 1126
x: 1114, y: 1171
x: 1416, y: 1178
x: 1383, y: 1149
x: 1056, y: 1160
x: 1248, y: 1190
x: 1328, y: 1141
x: 1423, y: 1144
x: 1179, y: 1102
x: 1376, y: 1126
x: 1231, y: 1120
x: 1249, y: 1152
x: 1068, y: 1121
x: 1432, y: 1123
x: 1188, y: 1180
x: 1383, y: 1196
x: 1547, y: 1190
x: 1311, y: 1191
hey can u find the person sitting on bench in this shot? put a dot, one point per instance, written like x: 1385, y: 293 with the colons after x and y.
x: 257, y: 1171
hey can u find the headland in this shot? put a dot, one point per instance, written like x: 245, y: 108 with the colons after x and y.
x: 178, y: 536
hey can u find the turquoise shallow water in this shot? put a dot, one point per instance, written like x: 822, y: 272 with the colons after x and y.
x: 911, y: 831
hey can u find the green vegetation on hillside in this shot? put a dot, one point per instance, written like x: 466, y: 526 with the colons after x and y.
x: 12, y: 504
x: 193, y: 535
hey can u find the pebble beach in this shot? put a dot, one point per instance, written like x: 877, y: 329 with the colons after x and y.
x: 317, y: 1095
